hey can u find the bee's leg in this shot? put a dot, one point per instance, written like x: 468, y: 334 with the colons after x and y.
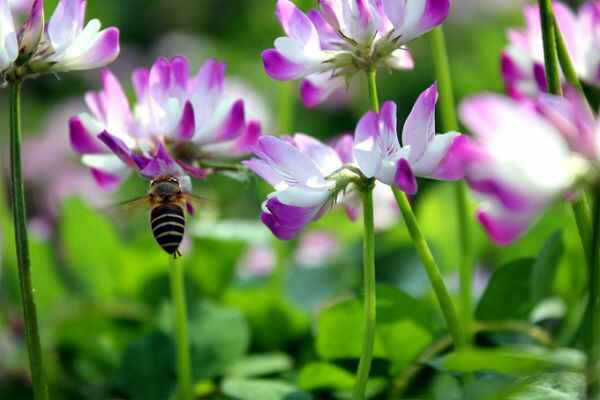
x: 177, y: 254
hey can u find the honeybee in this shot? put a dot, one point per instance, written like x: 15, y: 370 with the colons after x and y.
x: 167, y: 199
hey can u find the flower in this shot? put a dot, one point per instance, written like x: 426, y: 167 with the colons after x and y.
x: 258, y: 261
x: 316, y: 249
x: 379, y: 154
x: 523, y: 59
x: 574, y: 119
x: 177, y: 122
x: 325, y: 47
x: 301, y: 169
x: 64, y: 44
x: 517, y: 169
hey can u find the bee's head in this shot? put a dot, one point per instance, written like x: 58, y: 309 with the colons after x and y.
x: 164, y: 190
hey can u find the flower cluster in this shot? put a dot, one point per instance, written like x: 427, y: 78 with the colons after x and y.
x: 65, y: 43
x: 523, y: 60
x: 309, y: 176
x: 327, y: 46
x: 177, y: 123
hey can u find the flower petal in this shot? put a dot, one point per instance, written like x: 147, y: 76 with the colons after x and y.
x: 81, y: 140
x: 286, y: 221
x: 106, y: 180
x: 366, y: 152
x: 9, y: 47
x: 419, y: 128
x: 280, y: 68
x: 502, y: 230
x: 31, y: 32
x: 234, y: 124
x: 187, y: 123
x: 118, y: 147
x: 161, y: 165
x: 404, y: 179
x: 322, y: 155
x: 442, y: 158
x: 85, y: 54
x: 264, y: 170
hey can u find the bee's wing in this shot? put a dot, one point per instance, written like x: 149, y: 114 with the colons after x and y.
x: 195, y: 199
x: 127, y: 205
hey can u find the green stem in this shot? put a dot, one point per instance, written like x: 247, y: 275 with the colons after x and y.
x: 366, y: 357
x: 563, y: 57
x: 593, y: 337
x: 435, y: 277
x: 285, y: 112
x: 184, y: 372
x: 450, y: 123
x: 40, y: 388
x: 550, y: 51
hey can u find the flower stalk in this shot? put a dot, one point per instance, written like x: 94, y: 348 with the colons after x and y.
x: 433, y: 272
x: 450, y: 123
x: 364, y: 365
x: 592, y: 344
x: 34, y: 348
x: 184, y: 371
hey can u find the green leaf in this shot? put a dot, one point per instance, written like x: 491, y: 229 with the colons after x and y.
x: 219, y: 338
x: 212, y: 264
x: 512, y: 361
x: 260, y: 365
x: 274, y: 321
x: 404, y: 326
x: 147, y: 371
x: 320, y: 375
x: 247, y: 389
x: 545, y: 266
x: 508, y: 294
x: 92, y: 249
x: 375, y: 386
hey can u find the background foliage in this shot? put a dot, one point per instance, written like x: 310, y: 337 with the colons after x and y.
x: 294, y: 333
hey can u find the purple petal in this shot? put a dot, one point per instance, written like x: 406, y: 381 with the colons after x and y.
x: 210, y: 79
x: 187, y: 123
x: 159, y: 81
x: 501, y: 230
x: 311, y: 94
x: 387, y: 115
x: 118, y: 147
x: 366, y: 154
x: 162, y: 164
x: 81, y: 140
x: 105, y: 180
x: 328, y: 37
x: 181, y: 72
x: 452, y: 166
x: 33, y: 28
x: 419, y: 128
x: 194, y: 172
x: 141, y: 79
x: 404, y: 178
x: 295, y: 23
x: 512, y: 76
x: 264, y: 170
x: 436, y: 11
x: 503, y: 194
x: 286, y: 221
x: 539, y: 73
x: 280, y: 68
x: 233, y: 126
x: 102, y: 52
x: 343, y: 146
x: 247, y: 142
x: 66, y: 21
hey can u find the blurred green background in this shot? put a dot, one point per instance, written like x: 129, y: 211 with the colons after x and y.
x: 264, y: 315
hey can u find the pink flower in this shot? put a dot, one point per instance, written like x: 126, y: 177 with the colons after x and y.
x: 317, y: 248
x: 64, y: 44
x: 523, y: 59
x: 300, y: 169
x: 518, y: 164
x: 380, y: 155
x: 177, y: 121
x: 325, y: 47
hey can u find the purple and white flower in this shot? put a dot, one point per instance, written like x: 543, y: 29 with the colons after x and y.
x: 523, y: 60
x: 66, y: 43
x: 300, y: 169
x: 517, y: 169
x: 380, y: 155
x: 187, y: 119
x: 325, y: 47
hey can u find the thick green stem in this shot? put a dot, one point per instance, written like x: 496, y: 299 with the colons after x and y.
x: 373, y: 95
x: 449, y: 122
x: 550, y: 51
x: 180, y: 320
x: 593, y: 336
x: 40, y: 388
x: 435, y: 277
x: 366, y: 357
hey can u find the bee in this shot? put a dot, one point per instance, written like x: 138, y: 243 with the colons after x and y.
x: 168, y: 197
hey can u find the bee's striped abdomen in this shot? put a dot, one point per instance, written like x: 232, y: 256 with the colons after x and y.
x: 168, y: 226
